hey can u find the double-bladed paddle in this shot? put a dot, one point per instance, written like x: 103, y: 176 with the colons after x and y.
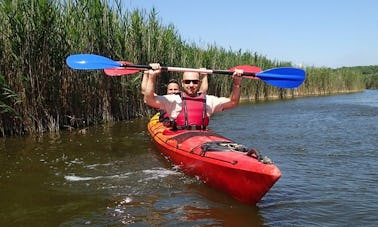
x: 128, y: 68
x: 283, y: 77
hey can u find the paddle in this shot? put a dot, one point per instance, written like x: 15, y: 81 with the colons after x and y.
x: 284, y: 77
x: 119, y: 71
x: 113, y: 68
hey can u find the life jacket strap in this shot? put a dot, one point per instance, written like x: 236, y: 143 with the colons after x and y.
x: 190, y: 127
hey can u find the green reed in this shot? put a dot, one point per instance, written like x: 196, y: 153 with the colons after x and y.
x: 40, y: 93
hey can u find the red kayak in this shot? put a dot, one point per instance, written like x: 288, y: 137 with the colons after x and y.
x: 217, y: 161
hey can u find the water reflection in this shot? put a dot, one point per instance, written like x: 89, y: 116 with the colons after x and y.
x: 184, y: 209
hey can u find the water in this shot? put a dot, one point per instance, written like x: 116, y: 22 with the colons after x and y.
x: 111, y: 175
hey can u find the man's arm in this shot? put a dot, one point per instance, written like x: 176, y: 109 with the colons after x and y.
x: 143, y: 86
x: 235, y: 94
x: 149, y: 93
x: 204, y: 83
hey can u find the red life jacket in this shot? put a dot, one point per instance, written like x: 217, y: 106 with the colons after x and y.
x: 193, y: 114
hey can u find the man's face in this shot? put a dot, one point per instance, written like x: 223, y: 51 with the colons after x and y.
x: 173, y: 88
x: 191, y: 83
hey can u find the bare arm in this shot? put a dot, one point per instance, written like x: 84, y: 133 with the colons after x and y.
x: 144, y: 82
x: 235, y: 94
x: 149, y: 93
x: 204, y: 84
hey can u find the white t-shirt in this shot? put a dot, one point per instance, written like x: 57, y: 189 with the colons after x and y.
x: 172, y: 104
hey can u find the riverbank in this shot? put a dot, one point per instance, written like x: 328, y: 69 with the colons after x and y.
x: 294, y: 94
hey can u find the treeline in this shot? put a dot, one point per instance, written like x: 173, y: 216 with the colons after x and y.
x: 370, y: 74
x: 39, y: 93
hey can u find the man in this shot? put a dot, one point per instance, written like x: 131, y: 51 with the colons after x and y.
x: 191, y: 109
x: 173, y: 88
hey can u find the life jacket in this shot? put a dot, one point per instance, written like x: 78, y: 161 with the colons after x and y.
x: 193, y: 113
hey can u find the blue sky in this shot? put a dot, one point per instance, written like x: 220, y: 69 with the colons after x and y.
x: 321, y: 33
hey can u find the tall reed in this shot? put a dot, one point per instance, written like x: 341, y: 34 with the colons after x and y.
x: 40, y: 93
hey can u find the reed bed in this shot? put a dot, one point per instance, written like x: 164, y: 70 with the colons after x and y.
x: 39, y: 93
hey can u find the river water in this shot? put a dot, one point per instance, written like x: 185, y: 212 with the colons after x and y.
x: 111, y: 175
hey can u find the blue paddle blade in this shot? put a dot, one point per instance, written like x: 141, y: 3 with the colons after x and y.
x: 90, y: 61
x: 284, y: 77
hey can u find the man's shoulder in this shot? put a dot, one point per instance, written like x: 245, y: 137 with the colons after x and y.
x: 171, y: 97
x: 212, y: 97
x: 216, y: 99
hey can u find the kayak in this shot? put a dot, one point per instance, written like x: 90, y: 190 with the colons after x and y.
x: 217, y: 161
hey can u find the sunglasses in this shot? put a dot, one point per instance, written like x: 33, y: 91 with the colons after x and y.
x: 191, y: 81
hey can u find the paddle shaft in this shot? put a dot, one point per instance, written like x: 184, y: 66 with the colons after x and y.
x: 180, y: 69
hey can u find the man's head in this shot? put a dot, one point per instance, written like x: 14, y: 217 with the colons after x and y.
x: 191, y: 83
x: 173, y: 87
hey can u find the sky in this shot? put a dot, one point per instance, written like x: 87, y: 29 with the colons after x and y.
x: 320, y: 33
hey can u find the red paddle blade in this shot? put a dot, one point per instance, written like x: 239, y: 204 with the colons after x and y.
x: 120, y: 71
x: 248, y: 69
